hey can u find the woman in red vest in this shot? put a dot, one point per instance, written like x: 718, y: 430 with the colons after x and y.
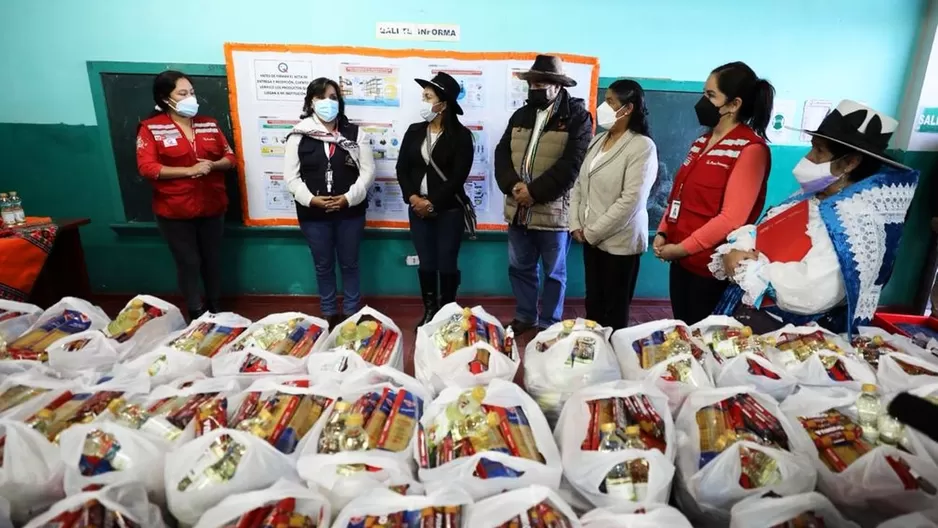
x: 720, y: 186
x: 185, y: 157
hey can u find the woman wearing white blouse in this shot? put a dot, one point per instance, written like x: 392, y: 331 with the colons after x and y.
x: 609, y: 201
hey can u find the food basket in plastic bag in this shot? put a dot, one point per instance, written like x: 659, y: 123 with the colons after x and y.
x: 805, y: 509
x: 635, y: 516
x: 21, y: 395
x: 123, y: 504
x: 442, y: 506
x: 88, y: 350
x: 31, y: 470
x: 818, y: 357
x: 15, y: 319
x: 284, y: 502
x: 900, y: 372
x: 277, y: 344
x: 522, y: 507
x: 372, y: 335
x: 143, y: 322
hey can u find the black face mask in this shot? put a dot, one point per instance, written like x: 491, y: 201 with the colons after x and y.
x: 538, y: 98
x: 708, y: 114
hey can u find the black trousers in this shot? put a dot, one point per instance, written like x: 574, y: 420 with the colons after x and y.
x: 693, y: 297
x: 196, y: 247
x: 610, y: 285
x: 437, y: 240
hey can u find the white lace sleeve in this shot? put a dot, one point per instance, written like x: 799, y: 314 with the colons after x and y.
x: 743, y: 239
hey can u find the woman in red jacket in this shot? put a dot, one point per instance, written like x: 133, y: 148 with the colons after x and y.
x: 185, y: 157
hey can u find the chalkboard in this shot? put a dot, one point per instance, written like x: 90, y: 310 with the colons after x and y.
x: 674, y: 127
x: 129, y: 99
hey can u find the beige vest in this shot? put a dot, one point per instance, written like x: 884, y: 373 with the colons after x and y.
x: 552, y: 216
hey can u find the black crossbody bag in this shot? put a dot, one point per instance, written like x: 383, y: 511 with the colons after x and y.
x: 468, y: 212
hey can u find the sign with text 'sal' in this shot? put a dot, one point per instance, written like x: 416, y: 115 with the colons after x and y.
x: 413, y: 31
x: 928, y: 120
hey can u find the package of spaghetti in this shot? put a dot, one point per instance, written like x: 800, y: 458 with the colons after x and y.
x: 816, y: 357
x: 617, y: 443
x: 23, y: 394
x: 442, y: 506
x: 666, y: 353
x: 188, y: 350
x: 367, y: 436
x: 283, y: 410
x: 65, y: 318
x: 277, y: 344
x: 533, y: 505
x: 122, y: 505
x: 223, y: 462
x: 15, y: 319
x: 631, y: 515
x: 738, y: 357
x: 733, y: 443
x: 875, y: 469
x: 566, y: 357
x: 285, y: 504
x: 488, y: 439
x: 372, y: 335
x: 463, y: 347
x: 30, y: 470
x: 142, y: 324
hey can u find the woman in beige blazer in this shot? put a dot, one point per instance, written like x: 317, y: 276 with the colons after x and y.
x: 609, y: 201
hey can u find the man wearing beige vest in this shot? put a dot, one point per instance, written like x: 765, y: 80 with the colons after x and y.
x: 536, y: 164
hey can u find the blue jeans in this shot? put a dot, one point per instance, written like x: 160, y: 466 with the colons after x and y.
x: 527, y: 249
x: 437, y: 240
x: 328, y: 239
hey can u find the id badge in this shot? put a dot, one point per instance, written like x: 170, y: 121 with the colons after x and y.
x: 169, y: 142
x: 674, y: 211
x: 328, y: 180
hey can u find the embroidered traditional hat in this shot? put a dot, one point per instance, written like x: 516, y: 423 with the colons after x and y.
x: 860, y: 128
x: 446, y: 87
x: 547, y: 68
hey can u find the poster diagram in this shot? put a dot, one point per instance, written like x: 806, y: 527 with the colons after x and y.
x: 279, y: 197
x: 477, y: 190
x: 471, y: 84
x: 272, y: 135
x: 281, y: 80
x: 479, y: 142
x: 385, y: 142
x: 370, y: 85
x: 517, y: 89
x: 385, y: 196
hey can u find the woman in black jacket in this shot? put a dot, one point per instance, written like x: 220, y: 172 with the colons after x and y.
x: 435, y: 199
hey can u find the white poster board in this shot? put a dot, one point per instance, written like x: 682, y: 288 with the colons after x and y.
x: 268, y: 83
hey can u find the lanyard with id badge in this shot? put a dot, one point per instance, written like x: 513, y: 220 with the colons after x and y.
x: 674, y: 210
x: 331, y: 147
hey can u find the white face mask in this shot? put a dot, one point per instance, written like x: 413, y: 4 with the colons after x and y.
x: 606, y: 116
x: 187, y: 107
x: 814, y: 177
x: 426, y: 111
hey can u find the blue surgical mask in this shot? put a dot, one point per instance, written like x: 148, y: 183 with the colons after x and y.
x: 187, y: 107
x: 326, y: 109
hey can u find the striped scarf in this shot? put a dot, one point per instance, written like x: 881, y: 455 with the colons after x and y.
x: 326, y: 137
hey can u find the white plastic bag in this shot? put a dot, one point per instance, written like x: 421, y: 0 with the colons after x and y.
x: 899, y: 342
x: 499, y: 393
x: 260, y: 466
x: 233, y: 359
x: 140, y: 458
x: 501, y: 508
x: 812, y: 371
x: 585, y: 470
x: 438, y: 372
x: 922, y: 519
x: 554, y: 367
x: 23, y: 394
x: 308, y: 502
x: 893, y: 378
x: 708, y: 493
x: 90, y: 350
x: 172, y: 358
x: 869, y: 482
x: 335, y: 364
x: 127, y: 498
x: 766, y: 512
x: 739, y: 370
x: 15, y: 319
x: 394, y: 352
x: 142, y: 323
x: 635, y: 516
x: 5, y: 519
x: 31, y: 473
x: 382, y: 501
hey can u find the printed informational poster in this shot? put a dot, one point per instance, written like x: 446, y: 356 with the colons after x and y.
x: 815, y: 110
x: 273, y: 132
x: 369, y: 85
x: 281, y: 80
x: 268, y: 83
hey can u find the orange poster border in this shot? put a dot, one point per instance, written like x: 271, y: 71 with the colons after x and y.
x: 231, y: 47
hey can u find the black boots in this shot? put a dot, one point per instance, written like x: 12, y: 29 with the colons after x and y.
x: 449, y: 285
x: 429, y: 290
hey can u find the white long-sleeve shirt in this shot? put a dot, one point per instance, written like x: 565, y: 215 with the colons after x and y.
x: 356, y: 194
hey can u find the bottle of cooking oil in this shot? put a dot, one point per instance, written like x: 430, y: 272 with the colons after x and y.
x: 869, y: 408
x: 619, y: 479
x: 329, y: 439
x: 354, y: 437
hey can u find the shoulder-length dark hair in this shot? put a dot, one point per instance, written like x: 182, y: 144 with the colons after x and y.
x: 163, y: 86
x: 737, y: 79
x: 628, y: 91
x: 317, y: 88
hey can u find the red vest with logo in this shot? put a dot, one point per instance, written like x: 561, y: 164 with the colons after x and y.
x: 700, y: 185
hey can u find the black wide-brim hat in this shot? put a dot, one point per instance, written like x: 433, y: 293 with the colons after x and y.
x: 446, y: 87
x: 550, y: 69
x: 859, y: 127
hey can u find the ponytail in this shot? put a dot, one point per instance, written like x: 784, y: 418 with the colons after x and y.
x: 737, y: 79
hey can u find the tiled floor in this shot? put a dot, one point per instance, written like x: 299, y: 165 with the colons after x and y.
x: 405, y: 311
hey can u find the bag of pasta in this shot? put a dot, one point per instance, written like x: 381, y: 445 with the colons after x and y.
x: 277, y: 344
x: 566, y: 357
x: 443, y: 506
x: 464, y: 347
x: 534, y: 505
x: 631, y: 515
x: 15, y: 319
x: 21, y: 395
x: 773, y: 511
x: 285, y: 503
x: 143, y: 322
x: 123, y: 505
x: 818, y: 357
x: 373, y: 336
x: 31, y: 470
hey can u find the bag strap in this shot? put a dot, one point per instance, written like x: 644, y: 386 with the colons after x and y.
x: 469, y: 213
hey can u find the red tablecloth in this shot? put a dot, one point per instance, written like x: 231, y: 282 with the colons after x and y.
x: 23, y: 253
